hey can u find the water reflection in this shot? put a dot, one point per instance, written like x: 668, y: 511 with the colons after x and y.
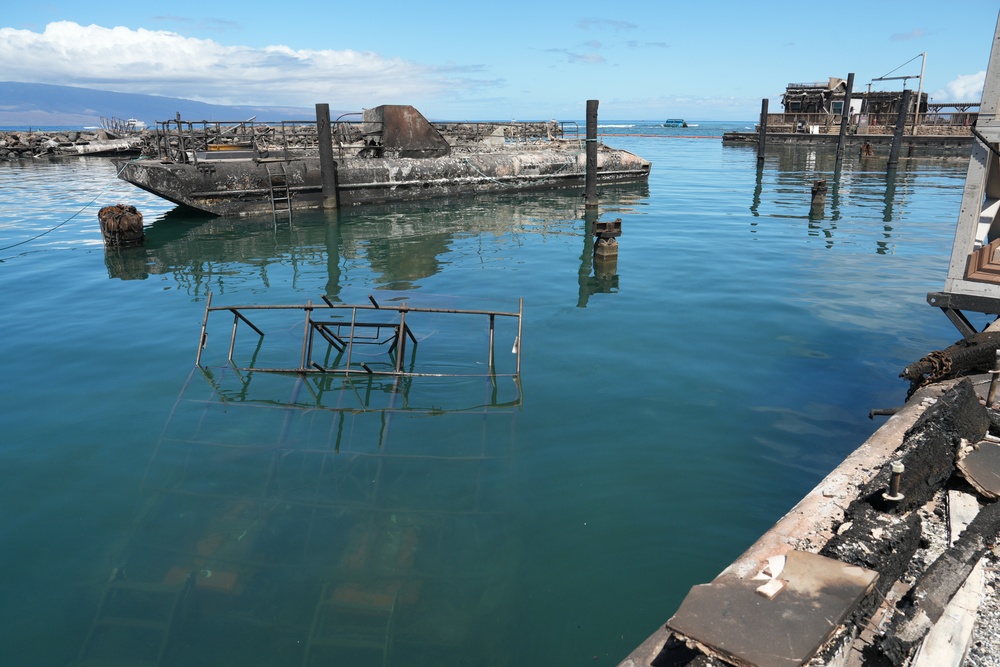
x: 783, y: 189
x: 401, y: 244
x: 605, y: 267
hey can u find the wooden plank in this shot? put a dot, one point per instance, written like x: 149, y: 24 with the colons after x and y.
x: 948, y: 642
x: 962, y: 509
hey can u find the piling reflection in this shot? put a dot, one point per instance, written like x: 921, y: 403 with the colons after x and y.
x: 786, y: 187
x: 599, y: 257
x: 296, y: 521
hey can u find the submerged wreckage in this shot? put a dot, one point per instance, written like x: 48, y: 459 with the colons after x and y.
x: 392, y: 153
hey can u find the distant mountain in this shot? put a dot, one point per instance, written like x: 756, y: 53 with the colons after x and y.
x: 44, y: 105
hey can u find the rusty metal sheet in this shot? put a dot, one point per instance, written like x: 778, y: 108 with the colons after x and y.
x: 732, y: 620
x: 981, y: 467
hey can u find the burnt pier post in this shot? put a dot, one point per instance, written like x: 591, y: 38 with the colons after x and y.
x: 897, y: 135
x: 762, y: 130
x: 845, y: 118
x: 327, y: 165
x: 590, y: 191
x: 121, y: 226
x: 818, y: 198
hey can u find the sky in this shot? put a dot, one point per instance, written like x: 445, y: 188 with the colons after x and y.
x: 697, y: 59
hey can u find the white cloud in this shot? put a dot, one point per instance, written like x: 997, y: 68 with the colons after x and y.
x: 907, y: 36
x: 166, y: 63
x: 963, y: 88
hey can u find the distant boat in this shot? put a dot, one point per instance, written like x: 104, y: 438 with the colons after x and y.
x: 675, y: 122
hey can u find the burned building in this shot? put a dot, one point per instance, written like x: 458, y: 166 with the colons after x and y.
x: 828, y: 98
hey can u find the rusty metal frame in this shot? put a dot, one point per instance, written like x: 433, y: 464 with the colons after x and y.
x: 342, y: 335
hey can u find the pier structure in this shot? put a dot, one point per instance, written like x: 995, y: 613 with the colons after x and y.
x: 885, y: 561
x: 973, y: 282
x: 832, y: 113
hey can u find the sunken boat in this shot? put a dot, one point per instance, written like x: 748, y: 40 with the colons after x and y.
x: 387, y: 153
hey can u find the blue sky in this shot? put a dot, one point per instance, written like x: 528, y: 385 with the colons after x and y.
x: 706, y: 60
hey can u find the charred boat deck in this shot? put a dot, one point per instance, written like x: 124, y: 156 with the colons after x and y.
x: 391, y: 154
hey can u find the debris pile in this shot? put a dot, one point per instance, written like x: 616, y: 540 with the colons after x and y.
x: 890, y: 561
x: 26, y: 144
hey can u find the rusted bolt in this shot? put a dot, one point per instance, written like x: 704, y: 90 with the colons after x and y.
x: 897, y: 473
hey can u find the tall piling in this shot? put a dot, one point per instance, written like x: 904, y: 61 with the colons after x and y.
x: 845, y: 118
x: 762, y: 130
x: 327, y: 165
x: 897, y: 135
x: 590, y: 192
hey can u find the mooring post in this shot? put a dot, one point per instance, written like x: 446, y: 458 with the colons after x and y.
x: 897, y: 135
x: 762, y: 130
x: 845, y: 118
x: 327, y: 166
x: 590, y: 193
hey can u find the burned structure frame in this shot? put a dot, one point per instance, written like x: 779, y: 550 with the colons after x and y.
x: 381, y: 324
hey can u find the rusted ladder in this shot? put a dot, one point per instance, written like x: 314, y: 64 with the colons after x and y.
x: 281, y: 197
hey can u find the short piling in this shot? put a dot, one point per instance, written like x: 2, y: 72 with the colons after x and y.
x: 121, y: 226
x: 818, y: 198
x: 762, y: 130
x: 897, y: 135
x: 590, y: 193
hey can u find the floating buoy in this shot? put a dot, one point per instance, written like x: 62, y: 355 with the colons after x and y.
x: 121, y: 225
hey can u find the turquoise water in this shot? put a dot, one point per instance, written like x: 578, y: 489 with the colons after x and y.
x: 668, y: 412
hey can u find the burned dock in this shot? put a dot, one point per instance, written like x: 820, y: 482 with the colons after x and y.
x: 884, y: 562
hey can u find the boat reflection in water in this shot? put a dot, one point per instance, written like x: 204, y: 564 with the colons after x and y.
x: 403, y: 244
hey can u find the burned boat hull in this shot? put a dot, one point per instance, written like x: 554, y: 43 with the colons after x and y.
x: 392, y: 154
x: 245, y: 187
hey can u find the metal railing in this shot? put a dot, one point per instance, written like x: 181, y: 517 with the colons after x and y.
x: 881, y: 123
x: 331, y: 331
x: 183, y: 141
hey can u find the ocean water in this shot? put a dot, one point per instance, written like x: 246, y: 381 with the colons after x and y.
x: 669, y: 410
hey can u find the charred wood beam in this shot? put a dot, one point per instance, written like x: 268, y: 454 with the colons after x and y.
x: 974, y: 354
x: 925, y: 603
x: 929, y: 449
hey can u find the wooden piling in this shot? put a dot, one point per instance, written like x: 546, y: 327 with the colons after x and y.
x: 897, y: 135
x: 327, y: 165
x: 762, y: 130
x: 818, y: 205
x: 590, y: 193
x: 845, y: 118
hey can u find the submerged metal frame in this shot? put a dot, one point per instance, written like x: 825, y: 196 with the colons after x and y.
x: 333, y: 332
x: 973, y: 281
x: 297, y: 486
